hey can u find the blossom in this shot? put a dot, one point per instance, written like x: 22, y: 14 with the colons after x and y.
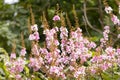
x: 118, y: 50
x: 105, y: 36
x: 35, y: 64
x: 91, y: 45
x: 31, y: 37
x: 35, y: 50
x: 108, y: 9
x: 115, y: 19
x: 36, y: 36
x: 18, y: 77
x: 80, y: 71
x: 34, y: 27
x: 93, y: 71
x: 23, y: 52
x: 106, y: 27
x: 96, y: 59
x: 118, y: 36
x: 13, y: 55
x: 56, y: 18
x: 56, y: 70
x: 64, y: 32
x: 105, y: 66
x: 109, y: 50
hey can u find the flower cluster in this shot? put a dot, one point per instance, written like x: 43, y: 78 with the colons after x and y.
x: 16, y: 66
x: 114, y: 18
x: 105, y: 36
x: 66, y: 54
x: 35, y: 34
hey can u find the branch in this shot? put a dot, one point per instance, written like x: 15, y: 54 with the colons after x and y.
x: 86, y: 19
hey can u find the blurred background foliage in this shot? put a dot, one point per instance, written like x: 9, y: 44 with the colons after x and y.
x: 14, y: 17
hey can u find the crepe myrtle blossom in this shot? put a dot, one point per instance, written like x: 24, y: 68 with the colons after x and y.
x: 56, y: 18
x: 108, y: 9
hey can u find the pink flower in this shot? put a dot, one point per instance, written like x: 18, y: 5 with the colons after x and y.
x: 56, y: 18
x: 34, y: 27
x: 71, y: 68
x: 105, y: 66
x: 56, y: 70
x: 13, y: 56
x: 23, y: 52
x: 92, y: 45
x: 56, y: 42
x: 115, y: 19
x: 118, y: 36
x: 93, y: 71
x: 97, y: 59
x: 106, y: 27
x: 108, y: 9
x: 118, y: 50
x: 110, y: 51
x: 18, y: 77
x: 36, y: 35
x: 35, y: 50
x: 80, y: 71
x: 35, y: 63
x: 31, y: 37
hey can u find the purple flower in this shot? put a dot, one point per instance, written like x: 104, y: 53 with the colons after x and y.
x: 56, y: 18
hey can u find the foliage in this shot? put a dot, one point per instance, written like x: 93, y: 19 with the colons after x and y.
x: 71, y: 41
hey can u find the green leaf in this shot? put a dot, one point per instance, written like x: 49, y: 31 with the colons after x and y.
x: 27, y: 70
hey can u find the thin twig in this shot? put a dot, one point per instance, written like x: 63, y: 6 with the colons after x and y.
x: 86, y: 19
x: 86, y: 26
x: 101, y: 13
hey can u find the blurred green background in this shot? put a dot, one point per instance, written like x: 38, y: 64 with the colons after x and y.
x: 14, y: 16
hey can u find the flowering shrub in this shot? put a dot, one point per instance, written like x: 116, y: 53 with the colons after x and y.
x: 67, y: 54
